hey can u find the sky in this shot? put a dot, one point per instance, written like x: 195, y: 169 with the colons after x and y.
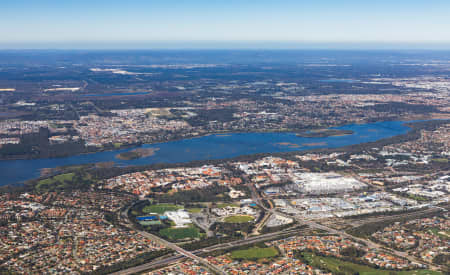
x: 274, y: 23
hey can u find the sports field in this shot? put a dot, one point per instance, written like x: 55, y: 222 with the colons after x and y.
x: 160, y: 208
x: 238, y: 219
x: 180, y: 233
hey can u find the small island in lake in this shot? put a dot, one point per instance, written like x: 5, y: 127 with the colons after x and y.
x: 288, y: 144
x: 321, y: 133
x: 137, y: 153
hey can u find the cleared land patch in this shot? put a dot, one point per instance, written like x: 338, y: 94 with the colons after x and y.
x: 194, y: 210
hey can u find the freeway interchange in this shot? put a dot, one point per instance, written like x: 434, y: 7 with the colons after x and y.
x: 301, y: 227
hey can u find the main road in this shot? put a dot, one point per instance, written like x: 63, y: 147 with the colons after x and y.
x: 166, y: 260
x: 126, y: 222
x: 182, y: 251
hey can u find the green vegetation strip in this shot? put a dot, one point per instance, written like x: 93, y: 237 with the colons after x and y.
x: 50, y: 181
x: 441, y: 160
x: 254, y: 253
x: 337, y: 266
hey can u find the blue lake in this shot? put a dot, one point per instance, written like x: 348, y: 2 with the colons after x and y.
x: 216, y: 146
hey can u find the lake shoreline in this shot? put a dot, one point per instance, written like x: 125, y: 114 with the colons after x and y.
x: 213, y: 148
x: 325, y: 133
x: 222, y: 133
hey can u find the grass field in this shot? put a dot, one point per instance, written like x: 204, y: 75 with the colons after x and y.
x: 180, y: 233
x: 338, y: 266
x: 238, y: 219
x: 146, y: 223
x: 254, y: 253
x: 160, y: 208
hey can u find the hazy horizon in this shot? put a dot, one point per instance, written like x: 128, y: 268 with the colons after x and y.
x: 270, y: 24
x: 221, y: 45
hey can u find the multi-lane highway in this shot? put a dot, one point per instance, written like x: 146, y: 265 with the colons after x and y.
x: 182, y: 253
x: 166, y: 260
